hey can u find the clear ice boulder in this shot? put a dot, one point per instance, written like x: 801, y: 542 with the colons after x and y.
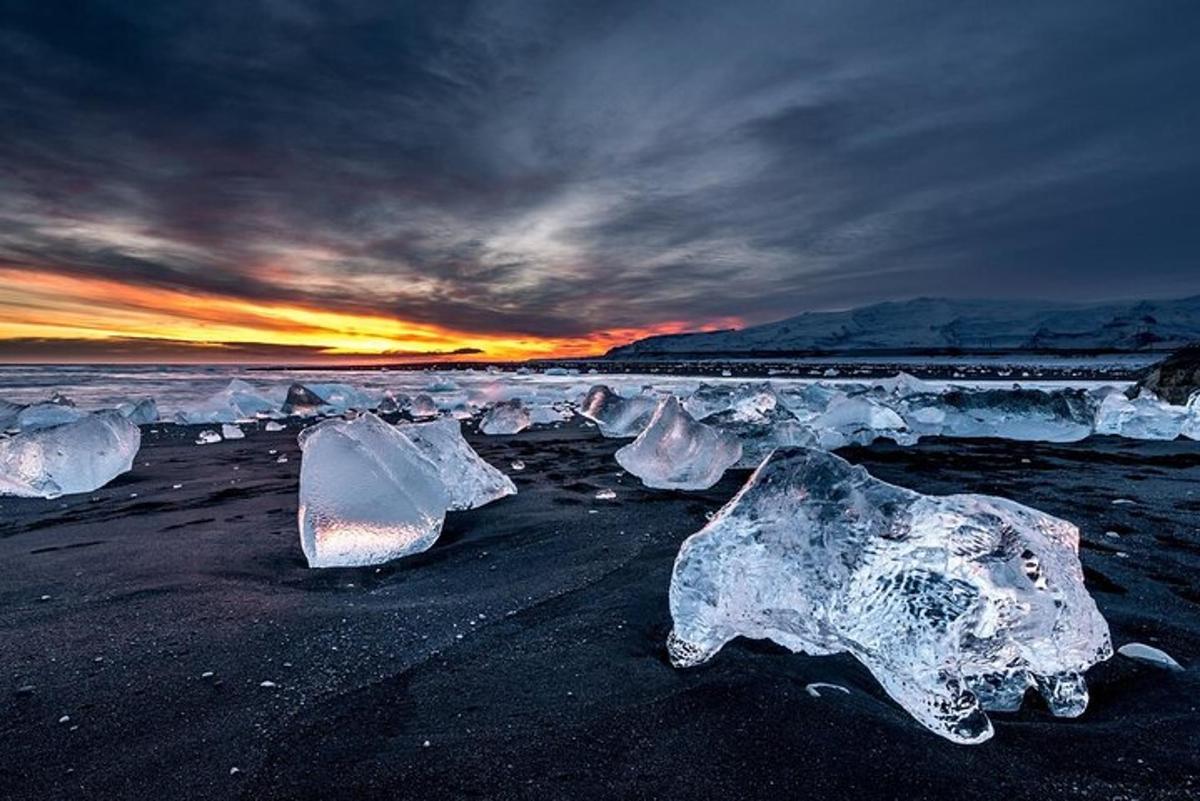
x: 674, y: 451
x: 957, y: 604
x: 367, y: 494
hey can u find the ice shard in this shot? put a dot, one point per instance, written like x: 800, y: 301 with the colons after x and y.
x: 79, y: 456
x: 367, y: 494
x: 505, y: 417
x: 616, y: 416
x: 675, y: 451
x: 956, y: 604
x: 470, y: 482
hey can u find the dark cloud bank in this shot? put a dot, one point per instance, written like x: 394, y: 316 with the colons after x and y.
x: 557, y: 168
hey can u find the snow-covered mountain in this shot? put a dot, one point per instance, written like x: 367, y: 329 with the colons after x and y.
x: 938, y: 325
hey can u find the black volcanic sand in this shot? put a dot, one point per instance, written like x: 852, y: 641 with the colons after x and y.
x: 522, y: 657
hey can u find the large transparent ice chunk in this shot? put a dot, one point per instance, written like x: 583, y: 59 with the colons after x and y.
x: 676, y: 452
x: 48, y: 414
x: 505, y: 417
x: 80, y: 456
x: 470, y: 482
x: 141, y: 413
x: 616, y: 416
x: 367, y: 494
x: 956, y: 604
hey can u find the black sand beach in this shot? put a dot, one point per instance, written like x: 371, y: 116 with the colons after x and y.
x: 170, y: 643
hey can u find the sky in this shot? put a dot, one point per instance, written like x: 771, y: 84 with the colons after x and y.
x: 286, y: 180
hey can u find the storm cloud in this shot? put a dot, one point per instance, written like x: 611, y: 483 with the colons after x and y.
x: 556, y: 169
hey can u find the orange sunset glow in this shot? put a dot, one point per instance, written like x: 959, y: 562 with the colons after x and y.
x: 51, y: 307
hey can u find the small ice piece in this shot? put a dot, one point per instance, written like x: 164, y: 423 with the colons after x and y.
x: 617, y: 416
x: 142, y: 413
x: 423, y: 406
x: 273, y: 425
x: 208, y: 437
x: 956, y: 604
x: 470, y: 482
x: 1191, y: 423
x: 367, y: 494
x: 815, y: 688
x: 517, y: 464
x: 606, y: 495
x: 81, y: 456
x: 1148, y: 653
x: 1144, y: 417
x: 505, y: 417
x: 676, y: 452
x: 237, y: 401
x: 231, y: 431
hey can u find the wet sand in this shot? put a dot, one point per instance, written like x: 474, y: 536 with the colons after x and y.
x: 522, y: 657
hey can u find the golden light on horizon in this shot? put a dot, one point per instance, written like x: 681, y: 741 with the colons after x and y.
x: 41, y: 305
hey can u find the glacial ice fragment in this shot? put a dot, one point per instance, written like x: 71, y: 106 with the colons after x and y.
x: 616, y: 416
x: 505, y: 417
x: 367, y: 494
x: 674, y: 451
x: 79, y: 456
x: 1064, y: 415
x: 144, y: 412
x: 956, y: 604
x: 231, y: 431
x: 47, y: 414
x: 236, y: 402
x: 1149, y: 654
x: 307, y: 399
x: 208, y: 437
x: 1144, y: 417
x: 470, y: 482
x: 861, y: 421
x: 423, y: 406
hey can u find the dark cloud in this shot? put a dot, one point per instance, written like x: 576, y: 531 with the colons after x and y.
x: 554, y: 169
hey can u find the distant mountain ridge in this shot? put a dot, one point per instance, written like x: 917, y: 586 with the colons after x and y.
x: 939, y: 325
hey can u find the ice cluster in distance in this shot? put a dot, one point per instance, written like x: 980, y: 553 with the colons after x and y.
x: 367, y: 494
x: 676, y: 452
x: 79, y: 456
x: 956, y: 604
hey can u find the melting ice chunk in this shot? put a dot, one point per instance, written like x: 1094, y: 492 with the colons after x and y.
x: 80, y: 456
x: 956, y: 604
x: 367, y: 494
x: 676, y: 452
x: 470, y: 482
x: 208, y: 437
x: 505, y: 417
x: 616, y: 416
x: 231, y: 431
x: 49, y: 413
x: 1020, y: 414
